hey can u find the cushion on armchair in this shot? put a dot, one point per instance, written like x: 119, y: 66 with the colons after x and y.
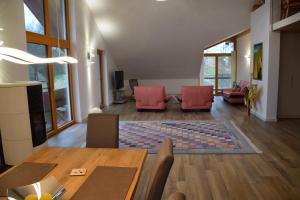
x: 236, y: 94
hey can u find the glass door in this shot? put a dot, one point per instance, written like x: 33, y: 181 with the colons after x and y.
x: 209, y: 71
x: 224, y: 73
x: 61, y: 89
x: 217, y: 72
x: 217, y: 66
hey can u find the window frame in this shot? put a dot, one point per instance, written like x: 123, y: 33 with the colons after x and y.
x: 217, y: 55
x: 50, y: 42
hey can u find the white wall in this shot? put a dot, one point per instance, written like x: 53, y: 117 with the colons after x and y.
x: 289, y: 80
x: 268, y: 87
x: 243, y: 64
x: 12, y: 21
x: 86, y: 36
x: 165, y: 40
x: 173, y: 86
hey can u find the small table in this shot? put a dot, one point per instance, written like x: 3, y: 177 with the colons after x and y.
x: 69, y: 158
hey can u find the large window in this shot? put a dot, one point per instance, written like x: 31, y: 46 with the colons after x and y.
x: 46, y: 23
x: 217, y: 65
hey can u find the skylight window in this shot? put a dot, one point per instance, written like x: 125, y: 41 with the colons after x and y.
x: 224, y: 47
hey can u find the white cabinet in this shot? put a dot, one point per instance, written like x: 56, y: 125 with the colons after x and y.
x: 22, y: 120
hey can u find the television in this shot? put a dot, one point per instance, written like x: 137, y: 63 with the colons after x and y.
x: 118, y: 79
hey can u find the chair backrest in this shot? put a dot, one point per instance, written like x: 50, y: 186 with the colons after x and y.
x: 160, y: 171
x: 133, y: 83
x: 196, y: 95
x: 177, y: 196
x: 243, y: 84
x: 102, y: 130
x: 149, y: 95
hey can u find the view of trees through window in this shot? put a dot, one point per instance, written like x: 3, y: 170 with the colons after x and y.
x: 224, y: 72
x: 217, y: 66
x: 209, y: 71
x: 61, y: 87
x: 224, y: 47
x: 50, y: 39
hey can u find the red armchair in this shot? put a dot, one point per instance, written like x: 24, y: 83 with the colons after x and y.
x: 196, y: 97
x: 150, y: 97
x: 236, y: 95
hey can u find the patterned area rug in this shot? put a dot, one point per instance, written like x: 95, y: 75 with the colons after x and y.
x: 189, y: 137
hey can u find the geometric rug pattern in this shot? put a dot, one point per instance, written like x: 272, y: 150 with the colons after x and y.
x: 189, y: 137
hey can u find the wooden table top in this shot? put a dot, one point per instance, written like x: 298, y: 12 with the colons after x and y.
x: 70, y: 158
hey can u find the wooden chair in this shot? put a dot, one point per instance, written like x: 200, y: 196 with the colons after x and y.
x: 177, y: 196
x: 289, y: 7
x: 133, y: 83
x: 160, y: 171
x: 102, y: 130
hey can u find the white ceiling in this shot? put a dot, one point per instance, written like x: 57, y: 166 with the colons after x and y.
x: 165, y: 40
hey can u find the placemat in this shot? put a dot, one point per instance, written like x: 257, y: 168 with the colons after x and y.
x: 106, y: 183
x: 24, y: 174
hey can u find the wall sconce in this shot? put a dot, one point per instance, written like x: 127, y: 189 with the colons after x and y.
x: 91, y: 56
x: 1, y: 42
x: 247, y: 56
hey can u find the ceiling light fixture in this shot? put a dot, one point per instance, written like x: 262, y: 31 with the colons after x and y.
x: 22, y: 57
x: 161, y: 0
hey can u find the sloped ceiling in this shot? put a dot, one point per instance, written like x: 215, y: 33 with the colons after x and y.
x: 165, y: 40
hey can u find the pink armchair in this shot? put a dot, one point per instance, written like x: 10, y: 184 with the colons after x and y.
x: 236, y: 95
x: 196, y: 97
x: 150, y: 97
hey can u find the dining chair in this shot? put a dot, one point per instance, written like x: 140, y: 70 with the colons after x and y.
x: 160, y: 171
x: 177, y: 196
x: 133, y: 83
x: 102, y: 130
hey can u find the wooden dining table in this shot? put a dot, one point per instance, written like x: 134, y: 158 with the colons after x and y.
x: 89, y: 158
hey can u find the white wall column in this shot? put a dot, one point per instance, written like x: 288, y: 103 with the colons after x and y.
x: 261, y: 32
x: 14, y: 35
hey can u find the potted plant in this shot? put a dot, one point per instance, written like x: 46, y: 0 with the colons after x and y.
x: 250, y: 97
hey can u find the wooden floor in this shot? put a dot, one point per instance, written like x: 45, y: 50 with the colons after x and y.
x: 274, y: 174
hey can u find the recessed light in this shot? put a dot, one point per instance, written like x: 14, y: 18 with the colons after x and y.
x: 161, y: 0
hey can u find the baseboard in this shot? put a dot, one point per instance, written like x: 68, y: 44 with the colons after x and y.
x: 259, y: 116
x: 271, y: 120
x: 288, y: 116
